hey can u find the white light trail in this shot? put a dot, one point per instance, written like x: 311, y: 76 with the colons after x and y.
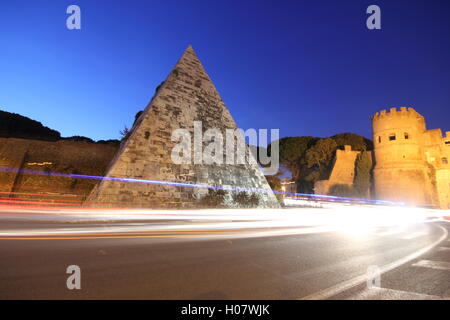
x: 348, y: 219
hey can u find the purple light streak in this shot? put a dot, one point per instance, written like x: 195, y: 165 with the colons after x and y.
x: 192, y: 185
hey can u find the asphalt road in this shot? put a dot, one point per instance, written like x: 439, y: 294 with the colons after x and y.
x: 222, y: 264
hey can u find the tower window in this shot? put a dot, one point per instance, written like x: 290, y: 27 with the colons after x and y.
x: 406, y: 135
x: 392, y: 137
x: 447, y: 142
x: 444, y: 161
x: 379, y: 139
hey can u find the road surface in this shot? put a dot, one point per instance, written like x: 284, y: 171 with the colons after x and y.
x: 185, y: 257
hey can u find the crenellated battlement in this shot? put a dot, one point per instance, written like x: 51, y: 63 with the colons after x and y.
x: 402, y: 112
x: 346, y: 150
x: 411, y: 162
x: 445, y: 136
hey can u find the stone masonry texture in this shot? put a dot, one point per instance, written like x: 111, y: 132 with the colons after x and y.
x: 187, y: 95
x: 65, y: 157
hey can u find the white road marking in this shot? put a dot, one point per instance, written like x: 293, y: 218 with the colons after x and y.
x: 390, y: 294
x: 345, y: 285
x: 438, y: 265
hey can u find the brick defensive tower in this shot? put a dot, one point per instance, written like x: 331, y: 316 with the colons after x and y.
x: 401, y: 172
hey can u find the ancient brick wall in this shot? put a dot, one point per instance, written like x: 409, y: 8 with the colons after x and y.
x: 11, y: 157
x: 443, y: 187
x: 65, y: 157
x: 343, y: 171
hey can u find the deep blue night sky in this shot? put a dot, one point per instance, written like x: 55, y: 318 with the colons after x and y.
x: 306, y: 67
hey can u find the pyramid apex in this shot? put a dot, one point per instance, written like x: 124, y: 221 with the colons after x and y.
x: 188, y: 51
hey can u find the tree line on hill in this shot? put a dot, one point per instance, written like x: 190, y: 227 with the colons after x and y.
x: 13, y: 125
x: 310, y: 159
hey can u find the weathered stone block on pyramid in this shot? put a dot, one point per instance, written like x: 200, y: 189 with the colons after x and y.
x: 187, y: 96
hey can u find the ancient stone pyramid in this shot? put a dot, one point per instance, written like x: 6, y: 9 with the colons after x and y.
x: 187, y: 95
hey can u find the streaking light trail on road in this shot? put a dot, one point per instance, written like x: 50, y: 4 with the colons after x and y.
x: 352, y: 221
x: 193, y: 185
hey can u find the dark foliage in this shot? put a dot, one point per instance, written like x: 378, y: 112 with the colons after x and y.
x: 358, y: 143
x: 79, y: 139
x: 136, y: 117
x: 111, y: 142
x: 363, y: 174
x: 214, y: 198
x: 13, y: 125
x: 310, y: 159
x: 246, y: 200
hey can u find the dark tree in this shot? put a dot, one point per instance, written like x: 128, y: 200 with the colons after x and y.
x: 363, y: 174
x: 13, y: 125
x: 214, y: 198
x: 79, y: 139
x: 125, y: 133
x: 357, y: 142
